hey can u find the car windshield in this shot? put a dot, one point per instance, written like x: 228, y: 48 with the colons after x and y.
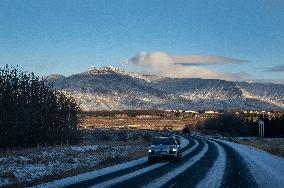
x: 163, y: 141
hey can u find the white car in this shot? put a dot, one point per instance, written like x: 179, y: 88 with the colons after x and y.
x: 164, y: 148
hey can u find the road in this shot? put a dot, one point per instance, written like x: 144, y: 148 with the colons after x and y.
x: 206, y: 162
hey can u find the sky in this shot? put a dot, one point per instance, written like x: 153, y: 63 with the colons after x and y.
x: 232, y: 40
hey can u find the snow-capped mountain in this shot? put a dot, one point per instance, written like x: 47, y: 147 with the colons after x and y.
x: 112, y: 88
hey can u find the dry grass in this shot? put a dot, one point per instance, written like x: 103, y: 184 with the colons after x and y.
x: 273, y: 146
x: 112, y: 147
x: 150, y: 122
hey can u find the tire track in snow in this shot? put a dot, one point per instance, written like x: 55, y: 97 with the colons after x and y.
x: 185, y: 144
x: 215, y: 175
x: 194, y: 174
x: 141, y: 171
x: 150, y: 176
x: 237, y: 172
x: 172, y: 174
x: 76, y: 181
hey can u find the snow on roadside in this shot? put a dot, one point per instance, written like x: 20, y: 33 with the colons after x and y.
x: 84, y: 148
x: 28, y: 164
x: 257, y: 138
x: 21, y: 165
x: 267, y: 169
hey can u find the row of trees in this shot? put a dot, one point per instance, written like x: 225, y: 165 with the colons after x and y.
x: 129, y: 113
x: 33, y: 113
x: 226, y: 124
x: 229, y: 124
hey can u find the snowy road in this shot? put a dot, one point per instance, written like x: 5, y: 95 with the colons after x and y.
x: 206, y: 162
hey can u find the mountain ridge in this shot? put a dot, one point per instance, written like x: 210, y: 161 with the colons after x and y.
x: 110, y: 88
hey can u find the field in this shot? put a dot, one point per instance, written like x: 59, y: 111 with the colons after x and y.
x: 151, y: 122
x: 274, y: 146
x: 99, y: 148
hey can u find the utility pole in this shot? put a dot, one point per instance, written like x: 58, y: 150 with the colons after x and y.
x: 261, y: 128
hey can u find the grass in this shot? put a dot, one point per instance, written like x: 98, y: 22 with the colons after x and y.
x: 141, y: 122
x: 273, y: 146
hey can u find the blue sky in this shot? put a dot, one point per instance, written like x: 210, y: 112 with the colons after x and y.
x: 69, y: 36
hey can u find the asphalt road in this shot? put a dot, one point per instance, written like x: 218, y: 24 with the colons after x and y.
x: 206, y: 162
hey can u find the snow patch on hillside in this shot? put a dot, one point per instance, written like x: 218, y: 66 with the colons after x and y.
x: 248, y: 95
x: 113, y: 70
x: 110, y: 88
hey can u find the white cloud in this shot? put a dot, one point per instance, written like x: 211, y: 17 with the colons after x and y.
x: 205, y: 60
x: 183, y: 66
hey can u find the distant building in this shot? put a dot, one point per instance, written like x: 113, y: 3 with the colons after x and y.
x: 191, y: 111
x: 209, y: 112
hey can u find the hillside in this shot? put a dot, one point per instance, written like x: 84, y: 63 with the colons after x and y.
x: 110, y: 88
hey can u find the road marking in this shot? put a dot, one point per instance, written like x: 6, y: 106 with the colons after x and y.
x: 171, y: 175
x: 140, y: 171
x: 214, y: 177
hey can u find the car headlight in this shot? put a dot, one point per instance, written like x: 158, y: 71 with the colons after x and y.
x: 150, y: 150
x: 174, y: 149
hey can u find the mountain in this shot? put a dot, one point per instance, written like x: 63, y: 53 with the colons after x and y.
x: 110, y: 88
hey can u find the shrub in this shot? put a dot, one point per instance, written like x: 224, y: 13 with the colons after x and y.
x: 227, y: 124
x: 33, y: 113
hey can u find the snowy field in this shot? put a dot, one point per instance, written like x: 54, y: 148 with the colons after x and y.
x: 44, y: 163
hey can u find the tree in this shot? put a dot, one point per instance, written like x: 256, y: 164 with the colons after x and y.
x: 33, y: 113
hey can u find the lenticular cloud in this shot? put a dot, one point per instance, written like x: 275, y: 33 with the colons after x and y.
x: 185, y: 66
